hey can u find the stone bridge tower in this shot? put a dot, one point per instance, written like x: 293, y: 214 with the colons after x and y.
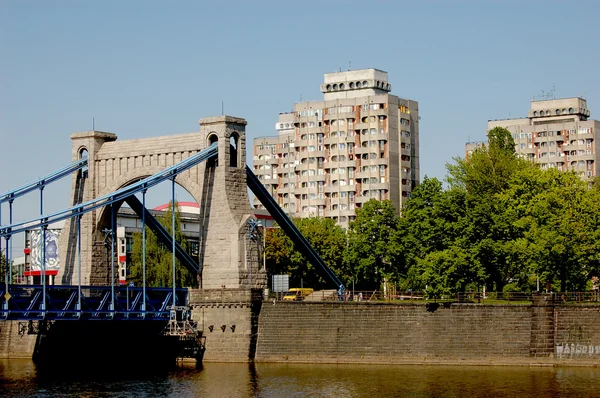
x: 230, y: 258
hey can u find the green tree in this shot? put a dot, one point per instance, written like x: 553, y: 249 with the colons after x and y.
x: 558, y: 217
x: 489, y: 169
x: 372, y: 252
x: 159, y: 260
x: 326, y: 237
x: 3, y: 266
x: 493, y: 238
x: 433, y: 231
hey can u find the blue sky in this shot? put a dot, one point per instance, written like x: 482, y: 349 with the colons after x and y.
x: 149, y: 68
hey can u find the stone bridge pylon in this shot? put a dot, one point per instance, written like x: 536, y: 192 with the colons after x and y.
x: 227, y: 254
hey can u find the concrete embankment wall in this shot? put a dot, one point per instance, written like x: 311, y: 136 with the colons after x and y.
x: 13, y: 344
x: 229, y: 320
x: 459, y: 333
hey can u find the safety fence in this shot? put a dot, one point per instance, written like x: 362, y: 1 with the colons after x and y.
x: 524, y: 298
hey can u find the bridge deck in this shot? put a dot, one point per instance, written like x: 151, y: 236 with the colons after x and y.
x: 26, y: 302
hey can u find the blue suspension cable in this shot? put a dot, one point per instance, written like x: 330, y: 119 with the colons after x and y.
x: 113, y: 197
x: 65, y: 171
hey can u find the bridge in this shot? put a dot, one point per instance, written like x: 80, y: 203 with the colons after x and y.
x: 105, y: 173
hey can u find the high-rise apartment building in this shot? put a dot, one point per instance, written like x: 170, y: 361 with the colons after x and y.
x: 556, y: 134
x: 330, y: 156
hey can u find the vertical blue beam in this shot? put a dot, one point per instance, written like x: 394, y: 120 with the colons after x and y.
x: 144, y: 252
x: 43, y: 252
x: 79, y: 264
x: 9, y: 249
x: 5, y: 278
x: 173, y: 233
x: 112, y: 258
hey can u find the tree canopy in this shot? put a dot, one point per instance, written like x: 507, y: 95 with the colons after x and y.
x: 159, y: 260
x: 501, y: 223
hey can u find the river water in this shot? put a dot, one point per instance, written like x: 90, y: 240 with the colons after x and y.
x: 21, y: 378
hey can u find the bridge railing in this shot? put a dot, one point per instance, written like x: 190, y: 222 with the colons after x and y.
x: 473, y: 297
x: 89, y: 302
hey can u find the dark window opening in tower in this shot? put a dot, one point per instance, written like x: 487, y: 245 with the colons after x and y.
x: 214, y: 162
x: 83, y: 154
x: 233, y: 150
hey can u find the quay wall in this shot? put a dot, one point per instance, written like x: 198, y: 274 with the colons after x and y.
x: 382, y: 333
x: 13, y: 344
x: 240, y: 327
x: 229, y: 320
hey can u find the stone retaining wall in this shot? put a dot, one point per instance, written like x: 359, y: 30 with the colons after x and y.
x: 412, y: 333
x: 240, y: 327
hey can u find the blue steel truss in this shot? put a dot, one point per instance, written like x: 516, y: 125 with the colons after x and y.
x: 62, y: 301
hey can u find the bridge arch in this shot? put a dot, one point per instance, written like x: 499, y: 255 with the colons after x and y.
x: 229, y: 257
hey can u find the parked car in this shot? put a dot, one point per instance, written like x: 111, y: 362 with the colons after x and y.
x: 297, y: 294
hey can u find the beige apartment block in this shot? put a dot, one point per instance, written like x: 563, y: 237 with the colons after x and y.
x: 330, y: 156
x: 555, y: 134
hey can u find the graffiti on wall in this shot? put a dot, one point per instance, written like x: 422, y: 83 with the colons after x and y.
x: 577, y: 350
x: 51, y: 255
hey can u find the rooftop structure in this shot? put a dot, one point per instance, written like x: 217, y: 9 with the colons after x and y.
x: 557, y: 133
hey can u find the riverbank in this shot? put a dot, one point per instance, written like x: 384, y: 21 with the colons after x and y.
x: 240, y: 327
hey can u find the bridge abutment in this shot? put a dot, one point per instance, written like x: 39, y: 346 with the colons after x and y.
x: 229, y: 320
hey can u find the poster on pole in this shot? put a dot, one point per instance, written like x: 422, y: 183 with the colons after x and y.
x: 281, y: 283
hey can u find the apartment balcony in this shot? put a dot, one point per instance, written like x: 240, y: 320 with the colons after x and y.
x: 348, y: 188
x: 286, y: 169
x: 331, y: 164
x: 266, y: 151
x: 583, y: 136
x: 352, y: 138
x: 337, y: 151
x: 375, y: 162
x: 307, y: 178
x: 360, y: 150
x: 300, y: 191
x: 288, y: 180
x: 318, y: 202
x: 332, y: 213
x: 361, y: 199
x: 287, y: 190
x: 304, y: 166
x: 347, y: 163
x: 366, y: 174
x: 319, y: 177
x: 348, y: 212
x: 381, y: 137
x: 377, y: 185
x: 305, y: 155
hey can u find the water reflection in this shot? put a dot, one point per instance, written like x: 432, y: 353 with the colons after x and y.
x: 21, y: 378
